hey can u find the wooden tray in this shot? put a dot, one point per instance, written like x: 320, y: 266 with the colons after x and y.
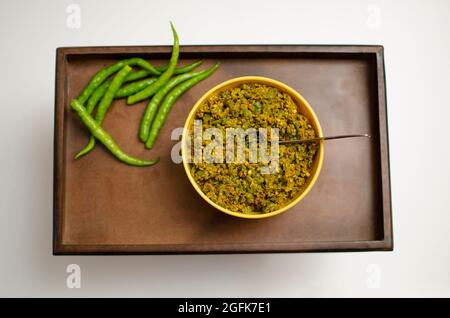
x: 102, y: 206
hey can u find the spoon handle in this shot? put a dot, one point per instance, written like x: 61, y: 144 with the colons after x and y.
x: 296, y: 141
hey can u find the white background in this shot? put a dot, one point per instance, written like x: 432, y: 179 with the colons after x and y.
x: 417, y: 52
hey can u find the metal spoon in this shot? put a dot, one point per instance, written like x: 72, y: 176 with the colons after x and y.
x: 296, y: 141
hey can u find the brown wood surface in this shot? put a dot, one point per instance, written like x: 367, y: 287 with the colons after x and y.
x: 104, y: 206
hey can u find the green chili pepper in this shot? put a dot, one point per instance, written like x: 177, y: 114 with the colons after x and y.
x: 180, y: 70
x: 104, y: 105
x: 152, y: 106
x: 134, y: 87
x: 152, y: 89
x: 168, y: 102
x: 122, y: 92
x: 138, y: 86
x: 142, y: 63
x: 96, y: 96
x: 101, y: 135
x: 137, y: 75
x: 103, y: 74
x: 100, y: 91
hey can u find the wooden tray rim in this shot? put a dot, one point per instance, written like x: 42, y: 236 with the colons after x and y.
x: 375, y: 52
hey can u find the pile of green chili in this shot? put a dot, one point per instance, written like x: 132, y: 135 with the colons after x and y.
x: 150, y: 82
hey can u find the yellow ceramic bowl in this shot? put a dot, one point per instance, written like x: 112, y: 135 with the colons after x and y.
x: 303, y: 107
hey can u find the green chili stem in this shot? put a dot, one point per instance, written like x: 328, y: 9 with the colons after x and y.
x: 164, y: 77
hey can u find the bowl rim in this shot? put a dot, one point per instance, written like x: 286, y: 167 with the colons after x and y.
x: 288, y: 90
